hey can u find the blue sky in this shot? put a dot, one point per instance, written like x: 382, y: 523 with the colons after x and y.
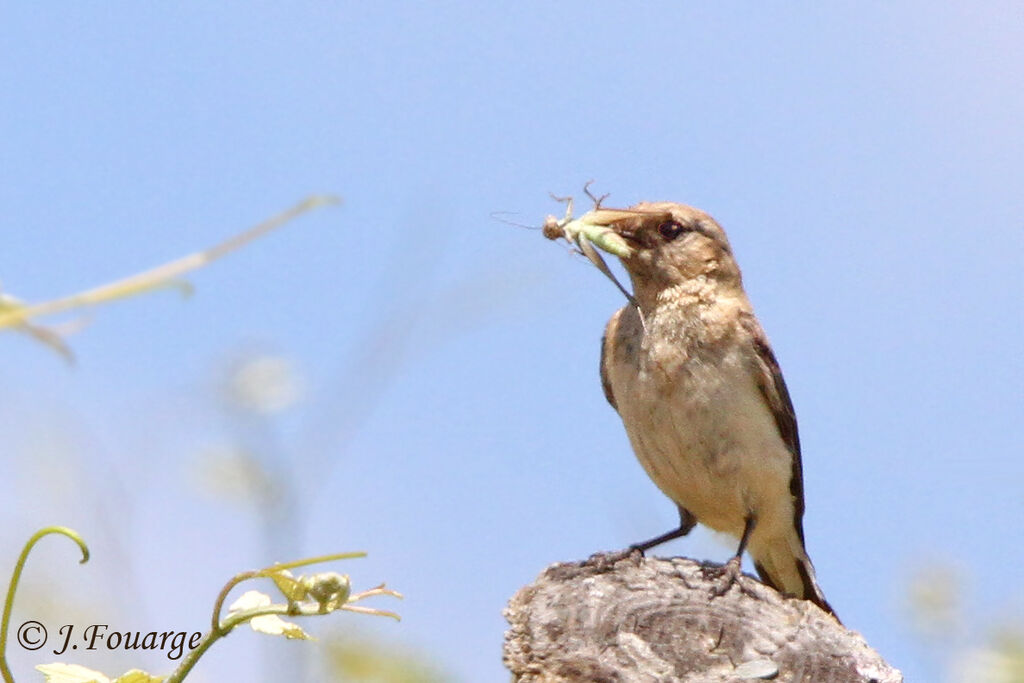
x: 865, y: 159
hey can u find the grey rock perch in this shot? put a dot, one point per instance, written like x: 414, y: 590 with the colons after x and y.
x: 652, y: 620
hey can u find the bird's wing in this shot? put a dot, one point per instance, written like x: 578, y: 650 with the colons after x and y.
x: 607, y: 342
x: 776, y: 395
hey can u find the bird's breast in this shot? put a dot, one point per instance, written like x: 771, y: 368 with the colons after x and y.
x: 699, y: 425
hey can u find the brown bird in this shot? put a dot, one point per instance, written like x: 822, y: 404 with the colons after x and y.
x: 690, y: 371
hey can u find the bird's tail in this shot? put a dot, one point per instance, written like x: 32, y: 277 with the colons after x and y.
x: 783, y: 564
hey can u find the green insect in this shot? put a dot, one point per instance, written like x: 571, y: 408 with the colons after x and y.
x: 592, y: 230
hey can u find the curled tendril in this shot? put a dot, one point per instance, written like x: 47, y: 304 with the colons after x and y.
x: 16, y: 578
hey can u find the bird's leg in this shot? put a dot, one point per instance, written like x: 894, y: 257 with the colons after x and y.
x: 686, y: 523
x: 731, y: 572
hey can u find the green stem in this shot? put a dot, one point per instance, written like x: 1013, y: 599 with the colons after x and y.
x: 314, y: 560
x: 16, y: 577
x: 229, y: 623
x: 218, y: 606
x: 193, y: 656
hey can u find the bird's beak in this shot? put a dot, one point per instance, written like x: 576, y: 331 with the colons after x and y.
x: 627, y: 224
x: 619, y: 222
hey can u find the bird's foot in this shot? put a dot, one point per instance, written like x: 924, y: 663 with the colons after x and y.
x: 605, y: 561
x: 729, y: 576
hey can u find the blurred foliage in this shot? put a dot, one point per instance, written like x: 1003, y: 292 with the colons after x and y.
x: 251, y: 468
x: 263, y: 384
x: 254, y: 467
x: 354, y: 658
x: 962, y: 651
x: 999, y: 660
x: 935, y: 602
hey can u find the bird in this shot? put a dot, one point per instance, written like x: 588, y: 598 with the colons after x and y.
x: 689, y: 370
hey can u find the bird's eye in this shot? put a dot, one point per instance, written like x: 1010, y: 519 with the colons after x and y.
x: 671, y: 230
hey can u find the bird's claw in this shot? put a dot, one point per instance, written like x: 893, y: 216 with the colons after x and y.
x: 606, y: 560
x: 729, y: 576
x: 635, y: 548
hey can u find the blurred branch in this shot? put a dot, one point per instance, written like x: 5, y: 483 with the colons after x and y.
x: 16, y: 314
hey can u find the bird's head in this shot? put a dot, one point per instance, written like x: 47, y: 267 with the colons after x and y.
x: 672, y: 245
